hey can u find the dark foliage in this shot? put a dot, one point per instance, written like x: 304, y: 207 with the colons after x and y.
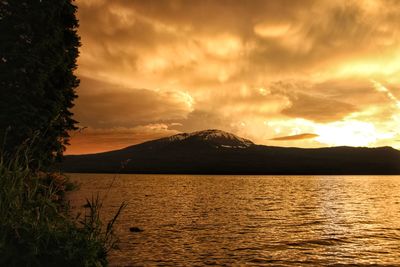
x: 36, y: 224
x: 38, y: 51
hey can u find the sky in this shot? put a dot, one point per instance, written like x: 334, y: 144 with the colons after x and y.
x: 280, y: 73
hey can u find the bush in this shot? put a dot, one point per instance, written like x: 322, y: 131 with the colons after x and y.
x: 35, y: 226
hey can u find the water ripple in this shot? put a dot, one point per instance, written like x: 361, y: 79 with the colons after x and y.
x: 252, y: 220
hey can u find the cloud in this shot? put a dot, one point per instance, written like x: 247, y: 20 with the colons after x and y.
x: 264, y: 35
x: 201, y: 120
x: 96, y: 140
x: 380, y: 88
x: 102, y: 104
x: 318, y: 109
x: 295, y: 137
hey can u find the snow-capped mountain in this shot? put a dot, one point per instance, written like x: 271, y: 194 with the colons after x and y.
x: 215, y: 151
x: 215, y: 137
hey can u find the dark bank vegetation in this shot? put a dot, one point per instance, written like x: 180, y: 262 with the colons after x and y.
x: 38, y: 50
x: 36, y: 228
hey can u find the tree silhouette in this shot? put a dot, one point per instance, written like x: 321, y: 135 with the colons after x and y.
x: 38, y: 50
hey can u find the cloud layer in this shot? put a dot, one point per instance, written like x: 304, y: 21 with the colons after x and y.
x: 260, y: 69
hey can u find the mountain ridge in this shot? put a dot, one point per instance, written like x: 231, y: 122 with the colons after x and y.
x: 217, y: 152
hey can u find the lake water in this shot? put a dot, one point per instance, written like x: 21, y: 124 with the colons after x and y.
x: 191, y: 220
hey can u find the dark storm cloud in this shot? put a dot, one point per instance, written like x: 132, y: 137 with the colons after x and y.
x: 106, y: 105
x: 313, y: 33
x: 318, y: 109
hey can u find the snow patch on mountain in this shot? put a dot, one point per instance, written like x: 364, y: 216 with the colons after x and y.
x: 217, y: 137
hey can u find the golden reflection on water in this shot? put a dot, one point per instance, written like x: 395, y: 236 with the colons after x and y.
x: 259, y: 220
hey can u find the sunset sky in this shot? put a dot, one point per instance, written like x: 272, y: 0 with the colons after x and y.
x: 283, y: 73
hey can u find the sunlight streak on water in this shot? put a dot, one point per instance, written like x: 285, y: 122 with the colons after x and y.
x: 256, y: 220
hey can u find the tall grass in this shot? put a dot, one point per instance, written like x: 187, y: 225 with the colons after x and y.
x: 36, y: 228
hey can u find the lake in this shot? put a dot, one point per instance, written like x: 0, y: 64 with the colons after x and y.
x: 222, y: 220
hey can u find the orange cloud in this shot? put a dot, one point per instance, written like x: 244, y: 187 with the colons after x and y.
x: 295, y: 137
x: 95, y: 140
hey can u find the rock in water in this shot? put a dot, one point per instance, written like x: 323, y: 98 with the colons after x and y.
x: 135, y: 229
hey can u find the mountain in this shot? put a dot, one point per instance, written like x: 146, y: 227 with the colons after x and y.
x: 219, y: 152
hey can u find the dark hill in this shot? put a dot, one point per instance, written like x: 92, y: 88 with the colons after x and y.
x: 218, y: 152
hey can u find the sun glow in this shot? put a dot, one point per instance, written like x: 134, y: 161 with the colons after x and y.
x: 351, y: 133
